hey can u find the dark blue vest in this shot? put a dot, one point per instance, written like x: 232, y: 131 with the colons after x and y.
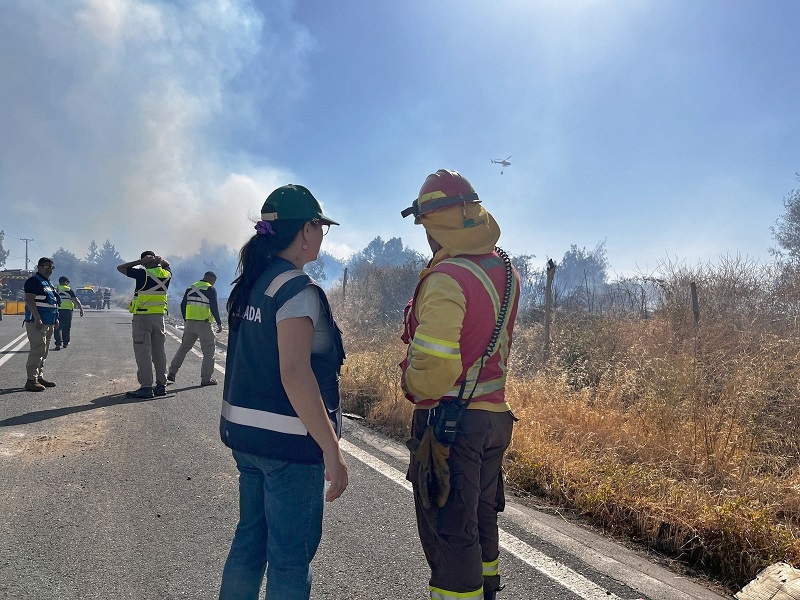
x: 46, y: 303
x: 257, y: 416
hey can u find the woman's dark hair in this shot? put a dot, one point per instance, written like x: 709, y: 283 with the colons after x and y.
x: 254, y: 258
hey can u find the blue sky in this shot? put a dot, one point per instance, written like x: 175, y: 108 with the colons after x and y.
x: 668, y: 129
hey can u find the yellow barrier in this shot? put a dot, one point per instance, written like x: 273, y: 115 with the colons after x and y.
x: 13, y: 307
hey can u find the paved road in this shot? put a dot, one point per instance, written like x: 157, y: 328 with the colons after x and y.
x: 103, y: 497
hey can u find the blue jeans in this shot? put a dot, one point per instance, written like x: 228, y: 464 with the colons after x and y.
x: 280, y: 527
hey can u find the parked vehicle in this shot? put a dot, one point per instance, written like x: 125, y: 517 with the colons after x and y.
x: 87, y: 296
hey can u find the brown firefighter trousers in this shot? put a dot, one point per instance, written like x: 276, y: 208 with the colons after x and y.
x: 459, y: 537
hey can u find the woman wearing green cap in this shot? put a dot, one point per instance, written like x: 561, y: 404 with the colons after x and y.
x: 281, y: 415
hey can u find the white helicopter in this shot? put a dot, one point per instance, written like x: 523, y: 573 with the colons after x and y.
x: 503, y: 162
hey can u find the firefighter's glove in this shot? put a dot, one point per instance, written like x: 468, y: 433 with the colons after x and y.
x: 433, y: 472
x: 441, y: 470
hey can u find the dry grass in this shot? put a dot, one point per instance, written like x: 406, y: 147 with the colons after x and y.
x: 683, y: 434
x: 370, y: 385
x: 655, y: 484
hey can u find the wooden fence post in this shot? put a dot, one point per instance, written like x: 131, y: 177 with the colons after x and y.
x: 695, y: 303
x: 548, y: 306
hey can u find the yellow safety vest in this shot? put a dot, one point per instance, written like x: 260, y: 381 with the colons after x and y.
x: 66, y: 299
x: 198, y: 306
x: 151, y: 298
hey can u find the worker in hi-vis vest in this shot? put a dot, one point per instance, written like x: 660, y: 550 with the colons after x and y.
x: 68, y: 303
x: 199, y: 309
x: 149, y: 305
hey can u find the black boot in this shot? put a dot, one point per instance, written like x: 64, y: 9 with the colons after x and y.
x: 491, y: 585
x: 491, y: 595
x: 142, y: 392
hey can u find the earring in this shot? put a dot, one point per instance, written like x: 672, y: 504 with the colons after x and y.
x: 305, y: 246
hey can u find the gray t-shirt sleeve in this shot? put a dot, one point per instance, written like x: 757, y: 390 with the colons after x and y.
x: 306, y: 303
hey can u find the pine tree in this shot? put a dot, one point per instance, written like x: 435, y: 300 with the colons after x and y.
x: 3, y: 253
x: 107, y: 260
x: 92, y: 255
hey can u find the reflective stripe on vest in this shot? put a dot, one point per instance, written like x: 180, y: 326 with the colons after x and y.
x: 43, y: 301
x: 281, y: 279
x: 66, y: 299
x: 47, y: 303
x: 474, y: 388
x: 152, y: 297
x: 198, y: 306
x: 263, y: 420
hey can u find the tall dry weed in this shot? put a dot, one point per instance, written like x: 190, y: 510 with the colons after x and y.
x: 681, y: 430
x: 370, y: 387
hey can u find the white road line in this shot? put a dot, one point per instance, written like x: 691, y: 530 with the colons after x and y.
x: 195, y: 351
x: 573, y: 581
x: 12, y: 342
x: 558, y: 572
x: 376, y: 463
x: 19, y: 346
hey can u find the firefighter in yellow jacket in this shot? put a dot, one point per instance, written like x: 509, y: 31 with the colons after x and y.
x: 458, y: 328
x: 149, y: 305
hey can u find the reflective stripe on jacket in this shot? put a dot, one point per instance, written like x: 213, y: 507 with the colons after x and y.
x: 151, y: 298
x: 257, y: 416
x: 481, y: 282
x: 198, y: 306
x: 66, y: 298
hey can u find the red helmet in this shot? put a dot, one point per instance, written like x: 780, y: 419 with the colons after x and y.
x: 440, y: 190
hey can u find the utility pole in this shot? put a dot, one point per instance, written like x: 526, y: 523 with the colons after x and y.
x: 26, y: 240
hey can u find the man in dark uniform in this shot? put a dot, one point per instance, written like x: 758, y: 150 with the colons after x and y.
x: 41, y: 319
x: 68, y: 303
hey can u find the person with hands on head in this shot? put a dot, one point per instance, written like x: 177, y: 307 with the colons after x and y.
x: 149, y: 305
x: 281, y: 414
x: 41, y: 319
x: 68, y: 303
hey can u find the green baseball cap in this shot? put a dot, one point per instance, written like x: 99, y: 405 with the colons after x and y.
x: 293, y: 202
